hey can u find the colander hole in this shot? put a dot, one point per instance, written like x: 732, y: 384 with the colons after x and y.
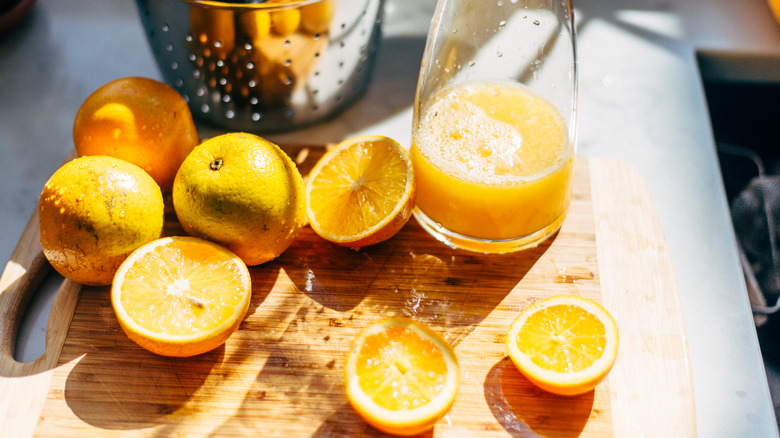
x: 201, y: 92
x: 226, y: 98
x: 165, y: 27
x: 188, y: 38
x: 193, y: 57
x: 196, y: 74
x: 218, y: 44
x: 315, y: 91
x: 252, y: 84
x: 286, y: 42
x: 250, y: 65
x: 342, y: 44
x: 316, y: 36
x: 174, y: 65
x: 315, y: 108
x: 287, y: 62
x: 317, y: 55
x: 253, y: 101
x: 220, y: 63
x: 248, y: 46
x: 204, y: 108
x: 256, y: 117
x: 169, y: 46
x: 223, y: 81
x: 179, y: 82
x: 230, y: 114
x: 341, y: 64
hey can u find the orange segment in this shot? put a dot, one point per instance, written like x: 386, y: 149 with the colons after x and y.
x: 181, y: 296
x: 401, y: 376
x: 362, y: 192
x: 564, y: 344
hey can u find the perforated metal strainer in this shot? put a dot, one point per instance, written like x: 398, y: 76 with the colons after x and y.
x: 264, y: 67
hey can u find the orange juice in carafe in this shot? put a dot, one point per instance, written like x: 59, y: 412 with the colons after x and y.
x: 493, y: 161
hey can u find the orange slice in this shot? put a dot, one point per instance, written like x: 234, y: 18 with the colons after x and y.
x: 564, y: 344
x: 181, y: 296
x: 401, y: 376
x: 362, y: 192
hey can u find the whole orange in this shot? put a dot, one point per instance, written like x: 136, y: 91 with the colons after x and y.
x: 140, y: 120
x: 243, y: 192
x: 93, y: 212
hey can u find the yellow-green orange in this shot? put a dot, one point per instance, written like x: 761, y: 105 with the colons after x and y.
x: 93, y: 212
x: 243, y: 192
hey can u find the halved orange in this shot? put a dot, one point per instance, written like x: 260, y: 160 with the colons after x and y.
x: 361, y: 192
x: 181, y: 296
x: 564, y: 344
x: 401, y: 376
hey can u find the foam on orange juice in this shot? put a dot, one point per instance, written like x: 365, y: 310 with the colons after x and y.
x: 492, y: 161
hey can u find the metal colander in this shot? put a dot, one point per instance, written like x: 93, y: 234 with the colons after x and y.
x: 264, y: 67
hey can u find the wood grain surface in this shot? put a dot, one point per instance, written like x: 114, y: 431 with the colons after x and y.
x: 280, y: 375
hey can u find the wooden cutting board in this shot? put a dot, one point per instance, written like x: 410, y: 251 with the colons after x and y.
x: 280, y: 375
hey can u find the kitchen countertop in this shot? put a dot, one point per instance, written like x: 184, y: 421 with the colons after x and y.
x: 641, y: 101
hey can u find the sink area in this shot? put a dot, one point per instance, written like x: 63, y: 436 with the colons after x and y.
x: 743, y: 97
